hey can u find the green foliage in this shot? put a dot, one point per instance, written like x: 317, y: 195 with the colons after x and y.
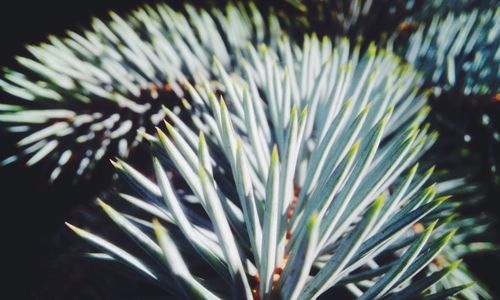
x: 82, y: 98
x: 458, y: 50
x: 300, y: 200
x: 283, y: 171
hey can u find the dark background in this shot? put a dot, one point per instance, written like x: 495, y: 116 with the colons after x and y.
x: 42, y: 259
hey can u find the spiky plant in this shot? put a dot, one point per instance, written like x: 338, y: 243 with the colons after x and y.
x: 441, y: 8
x: 473, y: 236
x: 455, y: 45
x: 458, y: 50
x: 83, y: 98
x: 87, y: 96
x: 459, y: 53
x: 303, y: 179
